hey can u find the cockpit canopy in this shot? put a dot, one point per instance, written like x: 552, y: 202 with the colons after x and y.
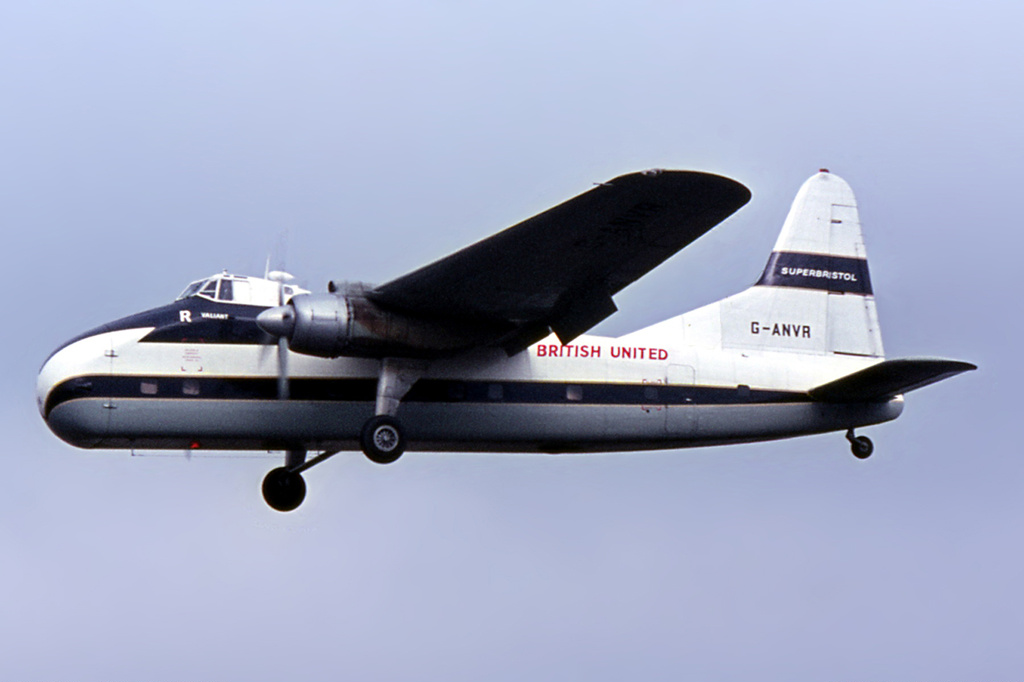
x: 228, y: 288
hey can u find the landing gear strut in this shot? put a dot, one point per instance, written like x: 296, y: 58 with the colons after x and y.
x: 382, y: 439
x: 860, y: 446
x: 284, y: 489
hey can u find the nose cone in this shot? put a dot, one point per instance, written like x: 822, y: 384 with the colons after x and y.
x: 68, y: 390
x: 279, y: 321
x: 82, y: 357
x: 43, y: 385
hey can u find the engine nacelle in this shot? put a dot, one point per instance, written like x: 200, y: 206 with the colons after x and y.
x: 330, y: 325
x: 322, y: 325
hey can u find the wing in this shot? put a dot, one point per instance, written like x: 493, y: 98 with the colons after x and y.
x: 559, y: 269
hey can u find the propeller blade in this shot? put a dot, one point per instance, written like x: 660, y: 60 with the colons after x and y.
x: 282, y: 368
x: 279, y: 322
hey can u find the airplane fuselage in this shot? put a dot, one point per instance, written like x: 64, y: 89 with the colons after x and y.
x: 198, y: 375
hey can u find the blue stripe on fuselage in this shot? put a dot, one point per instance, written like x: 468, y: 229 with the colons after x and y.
x: 424, y: 391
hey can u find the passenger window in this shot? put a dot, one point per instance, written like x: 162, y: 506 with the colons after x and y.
x: 650, y: 393
x: 190, y: 387
x: 148, y: 388
x: 456, y: 391
x: 495, y: 392
x: 574, y: 392
x: 225, y: 290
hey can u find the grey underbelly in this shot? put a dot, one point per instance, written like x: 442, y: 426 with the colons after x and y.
x: 264, y: 424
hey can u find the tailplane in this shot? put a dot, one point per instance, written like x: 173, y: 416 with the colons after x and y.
x: 887, y: 379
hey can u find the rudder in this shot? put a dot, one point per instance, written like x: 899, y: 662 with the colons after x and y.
x: 815, y: 293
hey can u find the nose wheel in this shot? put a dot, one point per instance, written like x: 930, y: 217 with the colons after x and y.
x: 860, y: 446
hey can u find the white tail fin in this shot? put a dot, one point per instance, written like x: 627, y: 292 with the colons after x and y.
x: 815, y: 293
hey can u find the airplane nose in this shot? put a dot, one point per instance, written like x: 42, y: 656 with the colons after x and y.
x: 279, y: 321
x: 68, y: 393
x: 53, y: 372
x: 42, y: 389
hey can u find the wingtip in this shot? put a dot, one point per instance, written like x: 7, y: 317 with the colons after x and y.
x: 720, y: 184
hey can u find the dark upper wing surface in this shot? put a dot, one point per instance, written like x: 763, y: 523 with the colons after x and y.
x: 560, y: 268
x: 888, y: 379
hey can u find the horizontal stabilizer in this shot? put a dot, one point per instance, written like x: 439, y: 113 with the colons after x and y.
x: 888, y: 379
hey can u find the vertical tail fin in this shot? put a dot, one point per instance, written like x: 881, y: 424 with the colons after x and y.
x: 815, y: 293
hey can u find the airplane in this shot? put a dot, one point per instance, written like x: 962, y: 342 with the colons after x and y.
x: 487, y: 350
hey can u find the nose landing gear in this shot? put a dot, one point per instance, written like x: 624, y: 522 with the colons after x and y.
x: 860, y: 446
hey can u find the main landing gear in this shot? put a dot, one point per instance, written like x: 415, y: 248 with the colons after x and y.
x: 860, y: 446
x: 284, y: 489
x: 382, y: 439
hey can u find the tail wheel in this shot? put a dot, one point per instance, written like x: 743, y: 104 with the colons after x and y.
x: 862, y: 447
x: 284, y: 490
x: 382, y: 440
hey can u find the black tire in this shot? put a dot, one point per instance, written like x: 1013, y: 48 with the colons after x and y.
x: 862, y: 447
x: 382, y: 440
x: 284, y: 490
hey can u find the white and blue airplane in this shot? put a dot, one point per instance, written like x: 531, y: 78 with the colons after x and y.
x: 487, y: 350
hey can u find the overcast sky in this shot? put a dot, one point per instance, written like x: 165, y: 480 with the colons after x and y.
x: 144, y: 145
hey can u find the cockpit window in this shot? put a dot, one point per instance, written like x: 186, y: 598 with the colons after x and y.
x: 228, y: 288
x: 207, y: 288
x: 191, y: 289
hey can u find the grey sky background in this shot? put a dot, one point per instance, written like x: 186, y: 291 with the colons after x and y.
x: 144, y: 145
